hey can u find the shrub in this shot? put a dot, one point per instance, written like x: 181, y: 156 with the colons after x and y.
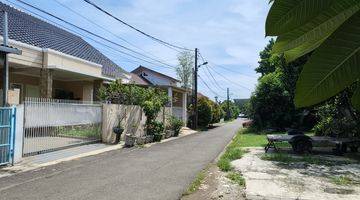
x: 234, y: 110
x: 155, y: 128
x: 175, y: 125
x: 337, y: 118
x: 217, y: 113
x: 204, y: 112
x: 150, y: 99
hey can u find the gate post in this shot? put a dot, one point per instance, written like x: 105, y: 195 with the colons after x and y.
x: 19, y: 133
x: 12, y: 134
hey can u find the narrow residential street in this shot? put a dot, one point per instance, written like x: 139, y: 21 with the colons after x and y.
x: 162, y: 171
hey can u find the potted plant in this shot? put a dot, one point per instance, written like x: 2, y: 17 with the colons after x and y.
x: 129, y: 140
x: 169, y: 132
x: 156, y: 129
x: 118, y: 130
x: 141, y: 140
x: 176, y: 124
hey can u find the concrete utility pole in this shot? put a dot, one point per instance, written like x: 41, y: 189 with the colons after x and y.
x: 195, y: 103
x: 6, y: 62
x: 228, y: 104
x: 195, y: 121
x: 4, y: 51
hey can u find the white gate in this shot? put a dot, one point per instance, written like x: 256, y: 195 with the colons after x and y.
x: 52, y: 124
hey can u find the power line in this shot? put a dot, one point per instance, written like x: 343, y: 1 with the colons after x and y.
x: 89, y: 38
x: 136, y: 29
x: 232, y: 71
x: 235, y: 83
x: 211, y: 75
x: 91, y: 33
x: 214, y: 82
x: 103, y: 28
x: 202, y: 80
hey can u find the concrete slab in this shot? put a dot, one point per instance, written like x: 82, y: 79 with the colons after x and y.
x: 51, y: 158
x: 38, y: 144
x: 273, y: 180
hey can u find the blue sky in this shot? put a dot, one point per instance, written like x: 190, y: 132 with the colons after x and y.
x: 229, y: 33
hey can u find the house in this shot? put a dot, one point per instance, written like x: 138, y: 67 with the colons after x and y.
x: 144, y: 76
x: 54, y: 62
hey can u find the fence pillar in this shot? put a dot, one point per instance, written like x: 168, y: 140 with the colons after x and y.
x: 170, y: 94
x: 184, y: 108
x: 46, y: 82
x: 19, y: 133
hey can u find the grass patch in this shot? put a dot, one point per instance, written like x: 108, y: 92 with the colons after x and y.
x: 309, y: 159
x: 232, y: 152
x: 251, y: 138
x: 194, y: 186
x: 342, y: 180
x: 236, y: 178
x: 80, y: 131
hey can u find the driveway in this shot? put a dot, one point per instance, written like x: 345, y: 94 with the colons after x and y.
x: 162, y: 171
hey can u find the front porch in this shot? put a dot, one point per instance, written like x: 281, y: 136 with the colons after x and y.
x: 45, y: 73
x: 50, y: 83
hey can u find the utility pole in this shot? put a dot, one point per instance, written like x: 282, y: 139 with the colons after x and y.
x: 6, y: 62
x: 4, y: 51
x: 228, y: 104
x: 216, y: 99
x: 195, y: 121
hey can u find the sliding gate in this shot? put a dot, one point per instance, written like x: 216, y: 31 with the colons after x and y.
x: 52, y: 124
x: 7, y: 134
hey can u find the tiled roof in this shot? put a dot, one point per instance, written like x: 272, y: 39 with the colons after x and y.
x: 33, y: 31
x: 140, y: 69
x: 138, y: 80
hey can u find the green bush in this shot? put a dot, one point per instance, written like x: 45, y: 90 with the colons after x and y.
x: 155, y: 128
x: 204, y: 112
x: 337, y: 118
x: 175, y: 125
x: 234, y: 110
x: 217, y: 113
x: 150, y: 99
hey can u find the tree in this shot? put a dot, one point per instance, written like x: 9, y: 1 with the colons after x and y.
x: 217, y: 112
x: 233, y: 108
x: 204, y: 112
x: 266, y: 65
x: 184, y: 69
x: 329, y: 29
x: 241, y: 104
x: 271, y: 104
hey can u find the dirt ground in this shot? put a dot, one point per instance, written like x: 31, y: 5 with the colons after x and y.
x: 216, y: 186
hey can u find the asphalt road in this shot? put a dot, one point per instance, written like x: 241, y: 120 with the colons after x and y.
x: 162, y: 171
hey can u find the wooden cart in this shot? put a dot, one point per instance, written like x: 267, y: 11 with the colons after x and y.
x: 304, y: 143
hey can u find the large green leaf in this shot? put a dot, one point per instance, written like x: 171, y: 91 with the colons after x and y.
x: 355, y: 99
x: 332, y: 67
x: 317, y: 29
x: 307, y: 47
x: 286, y: 15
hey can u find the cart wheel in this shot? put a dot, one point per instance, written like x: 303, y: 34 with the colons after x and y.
x: 301, y: 146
